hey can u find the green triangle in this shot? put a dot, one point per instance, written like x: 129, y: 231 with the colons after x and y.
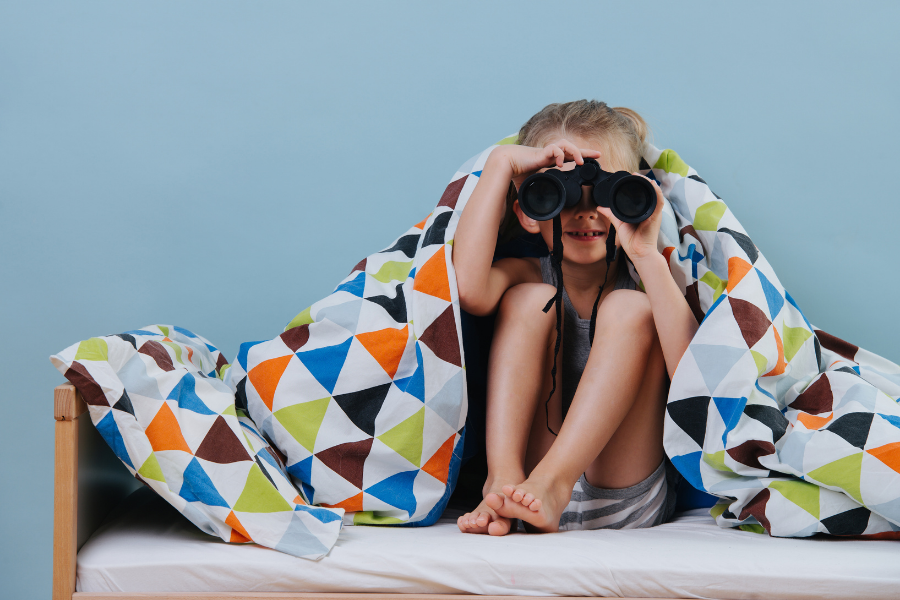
x: 92, y: 349
x: 717, y: 509
x: 151, y: 469
x: 164, y: 329
x: 406, y: 438
x: 177, y: 349
x: 510, y: 139
x: 303, y: 420
x: 222, y: 371
x: 793, y: 338
x: 802, y: 493
x: 760, y: 360
x: 752, y: 528
x: 304, y: 318
x: 370, y: 517
x: 393, y: 271
x: 716, y: 460
x: 842, y: 473
x: 230, y: 411
x: 717, y: 285
x: 707, y: 216
x: 670, y: 162
x: 259, y: 495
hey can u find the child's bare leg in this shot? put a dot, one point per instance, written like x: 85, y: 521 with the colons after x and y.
x: 517, y: 366
x: 613, y: 430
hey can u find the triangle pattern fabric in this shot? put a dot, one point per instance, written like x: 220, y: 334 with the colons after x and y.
x: 715, y: 362
x: 441, y: 338
x: 347, y: 460
x: 363, y: 406
x: 266, y: 375
x: 406, y: 438
x: 386, y: 346
x: 326, y: 363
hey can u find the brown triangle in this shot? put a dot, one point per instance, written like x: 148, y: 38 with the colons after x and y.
x: 451, y: 194
x: 296, y: 337
x: 757, y: 508
x: 752, y: 321
x: 749, y: 452
x: 347, y: 460
x: 837, y: 345
x: 90, y: 389
x: 442, y: 339
x: 361, y: 265
x: 158, y: 353
x: 817, y: 399
x: 221, y: 445
x: 692, y: 295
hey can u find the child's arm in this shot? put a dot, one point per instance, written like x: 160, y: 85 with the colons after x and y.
x: 480, y: 283
x: 675, y: 322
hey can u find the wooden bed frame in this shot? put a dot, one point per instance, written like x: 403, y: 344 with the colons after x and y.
x: 90, y: 481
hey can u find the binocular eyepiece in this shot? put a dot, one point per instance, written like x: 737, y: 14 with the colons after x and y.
x: 631, y: 198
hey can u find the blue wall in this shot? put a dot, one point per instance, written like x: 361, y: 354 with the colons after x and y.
x: 221, y: 165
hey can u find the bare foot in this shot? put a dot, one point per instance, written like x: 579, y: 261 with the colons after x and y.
x: 538, y: 503
x: 484, y: 519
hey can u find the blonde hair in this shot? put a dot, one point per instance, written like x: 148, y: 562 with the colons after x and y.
x: 620, y: 131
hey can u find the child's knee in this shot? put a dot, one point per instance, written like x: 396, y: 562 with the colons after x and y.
x: 627, y: 309
x: 527, y: 301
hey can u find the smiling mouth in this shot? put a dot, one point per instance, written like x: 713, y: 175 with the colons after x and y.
x: 586, y: 236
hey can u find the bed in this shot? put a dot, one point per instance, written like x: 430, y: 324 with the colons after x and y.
x: 113, y: 539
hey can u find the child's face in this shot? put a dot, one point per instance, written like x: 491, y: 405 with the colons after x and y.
x: 584, y: 227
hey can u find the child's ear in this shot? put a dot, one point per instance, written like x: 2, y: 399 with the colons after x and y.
x: 527, y: 223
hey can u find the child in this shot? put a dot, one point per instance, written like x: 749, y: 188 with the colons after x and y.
x: 592, y: 455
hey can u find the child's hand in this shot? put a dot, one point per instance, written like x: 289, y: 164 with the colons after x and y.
x: 639, y: 240
x: 524, y: 160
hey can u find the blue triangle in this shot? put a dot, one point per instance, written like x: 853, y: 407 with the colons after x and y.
x: 893, y: 420
x: 793, y: 449
x: 794, y: 304
x: 187, y: 397
x: 412, y: 274
x: 302, y: 473
x: 198, y: 486
x: 355, y: 286
x: 773, y: 298
x: 266, y: 455
x: 715, y: 362
x: 730, y: 409
x: 322, y: 514
x: 476, y: 173
x: 110, y: 432
x: 448, y: 402
x: 299, y: 541
x: 242, y: 353
x: 416, y: 384
x: 689, y: 466
x: 326, y: 363
x: 142, y: 332
x: 345, y: 314
x: 184, y: 331
x: 134, y: 372
x: 397, y: 490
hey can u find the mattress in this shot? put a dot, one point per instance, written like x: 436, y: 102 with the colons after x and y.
x: 146, y: 546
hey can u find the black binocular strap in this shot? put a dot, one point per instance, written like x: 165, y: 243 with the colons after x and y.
x: 556, y: 259
x: 556, y: 256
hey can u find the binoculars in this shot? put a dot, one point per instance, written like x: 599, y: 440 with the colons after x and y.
x: 631, y: 198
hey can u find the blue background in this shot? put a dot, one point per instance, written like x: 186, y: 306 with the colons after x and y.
x: 222, y: 165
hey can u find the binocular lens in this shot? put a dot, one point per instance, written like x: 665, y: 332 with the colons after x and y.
x: 633, y: 199
x: 541, y: 197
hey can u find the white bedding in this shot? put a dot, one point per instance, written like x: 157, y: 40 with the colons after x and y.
x: 146, y: 546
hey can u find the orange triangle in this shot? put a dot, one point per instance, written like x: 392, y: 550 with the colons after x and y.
x: 266, y: 375
x: 668, y: 252
x: 238, y: 533
x: 164, y: 432
x: 166, y: 339
x: 737, y: 268
x: 190, y: 354
x: 432, y: 278
x: 386, y: 346
x: 813, y: 422
x: 889, y: 454
x: 351, y: 504
x: 421, y: 225
x: 299, y: 500
x: 778, y: 369
x: 438, y: 466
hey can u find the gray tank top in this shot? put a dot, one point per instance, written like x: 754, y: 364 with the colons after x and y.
x: 576, y: 333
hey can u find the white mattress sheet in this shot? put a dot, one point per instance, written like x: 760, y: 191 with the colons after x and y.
x: 146, y: 546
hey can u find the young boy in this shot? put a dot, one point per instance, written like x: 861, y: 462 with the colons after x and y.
x: 592, y: 455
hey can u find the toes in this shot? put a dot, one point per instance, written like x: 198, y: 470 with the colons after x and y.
x: 493, y: 501
x: 499, y: 527
x: 508, y: 490
x: 536, y: 505
x: 518, y: 495
x: 528, y: 499
x: 482, y: 519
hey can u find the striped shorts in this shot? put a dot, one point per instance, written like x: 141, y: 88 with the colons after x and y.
x: 645, y: 504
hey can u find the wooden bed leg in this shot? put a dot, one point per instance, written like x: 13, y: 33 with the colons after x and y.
x: 67, y: 407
